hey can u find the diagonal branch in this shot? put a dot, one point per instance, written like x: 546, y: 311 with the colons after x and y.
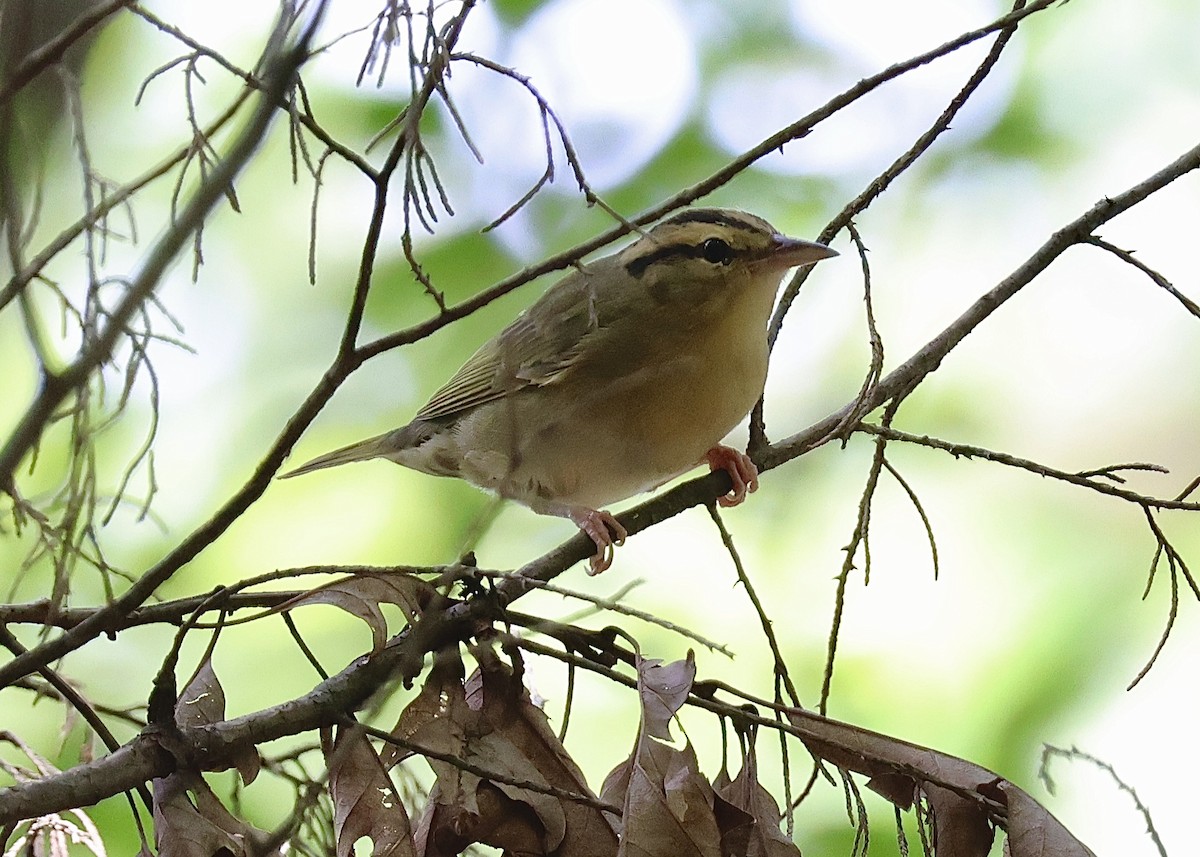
x: 903, y: 378
x: 56, y: 387
x: 800, y: 128
x: 53, y: 51
x: 1084, y: 480
x: 881, y: 182
x: 215, y: 744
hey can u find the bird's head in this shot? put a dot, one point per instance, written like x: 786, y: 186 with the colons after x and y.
x: 703, y: 252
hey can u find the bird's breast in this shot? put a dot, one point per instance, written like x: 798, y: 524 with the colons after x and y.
x: 628, y: 424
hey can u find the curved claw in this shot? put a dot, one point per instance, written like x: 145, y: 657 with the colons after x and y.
x: 603, y: 529
x: 742, y: 472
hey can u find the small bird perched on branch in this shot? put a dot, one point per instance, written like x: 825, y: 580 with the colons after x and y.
x: 626, y: 373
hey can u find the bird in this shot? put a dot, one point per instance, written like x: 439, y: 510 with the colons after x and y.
x: 625, y: 374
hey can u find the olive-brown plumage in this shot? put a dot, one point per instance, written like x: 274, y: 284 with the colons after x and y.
x: 625, y: 374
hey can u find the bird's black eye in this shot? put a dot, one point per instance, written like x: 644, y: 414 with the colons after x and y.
x: 716, y: 251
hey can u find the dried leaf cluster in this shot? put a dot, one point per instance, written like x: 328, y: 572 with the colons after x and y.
x: 503, y: 778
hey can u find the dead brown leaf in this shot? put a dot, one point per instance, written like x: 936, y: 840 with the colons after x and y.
x: 433, y: 720
x: 764, y: 838
x: 189, y: 821
x: 447, y: 829
x: 736, y: 827
x: 961, y: 827
x: 490, y: 724
x: 965, y: 798
x: 663, y: 690
x: 364, y: 801
x: 362, y: 595
x: 202, y: 703
x: 1034, y: 832
x: 668, y: 807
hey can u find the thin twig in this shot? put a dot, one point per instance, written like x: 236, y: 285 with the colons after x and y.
x: 1075, y: 754
x: 1007, y: 26
x: 912, y: 496
x: 930, y: 356
x: 614, y: 605
x: 795, y: 131
x: 860, y: 537
x: 493, y: 776
x: 781, y: 670
x: 253, y: 82
x: 85, y: 709
x: 1159, y: 280
x: 56, y: 387
x: 42, y: 58
x: 115, y: 198
x: 1177, y: 567
x: 1084, y: 479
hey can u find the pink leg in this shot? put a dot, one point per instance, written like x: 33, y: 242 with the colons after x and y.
x: 740, y: 469
x: 604, y: 530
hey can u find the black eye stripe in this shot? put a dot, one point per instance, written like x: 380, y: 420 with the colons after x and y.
x: 637, y: 267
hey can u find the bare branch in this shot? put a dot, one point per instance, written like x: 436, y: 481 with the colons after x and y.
x: 1085, y: 479
x: 798, y: 129
x: 1159, y: 280
x: 916, y: 501
x: 781, y: 670
x: 859, y: 538
x: 1177, y: 567
x: 1074, y: 754
x: 928, y: 358
x: 56, y: 387
x: 112, y: 200
x: 52, y: 52
x: 1007, y: 26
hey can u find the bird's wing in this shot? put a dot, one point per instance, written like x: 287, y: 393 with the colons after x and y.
x: 472, y: 385
x: 539, y: 347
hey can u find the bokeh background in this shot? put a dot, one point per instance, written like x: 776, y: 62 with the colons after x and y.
x: 1037, y: 622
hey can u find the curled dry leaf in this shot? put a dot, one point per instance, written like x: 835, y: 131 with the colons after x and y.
x: 203, y: 700
x: 763, y: 837
x: 202, y: 703
x: 663, y: 690
x: 362, y: 594
x: 189, y: 821
x: 668, y: 807
x: 967, y: 800
x: 364, y: 800
x: 961, y: 827
x: 428, y: 721
x: 1034, y: 832
x: 446, y: 829
x: 489, y: 723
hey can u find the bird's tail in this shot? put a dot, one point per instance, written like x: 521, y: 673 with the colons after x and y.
x: 374, y: 447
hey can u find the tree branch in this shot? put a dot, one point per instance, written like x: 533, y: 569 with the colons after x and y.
x: 904, y: 378
x: 283, y: 63
x: 795, y: 131
x: 214, y: 746
x: 52, y: 51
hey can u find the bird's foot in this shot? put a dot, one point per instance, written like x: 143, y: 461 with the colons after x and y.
x: 603, y: 529
x: 741, y: 470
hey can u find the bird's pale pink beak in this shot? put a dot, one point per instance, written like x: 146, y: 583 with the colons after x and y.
x: 787, y: 253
